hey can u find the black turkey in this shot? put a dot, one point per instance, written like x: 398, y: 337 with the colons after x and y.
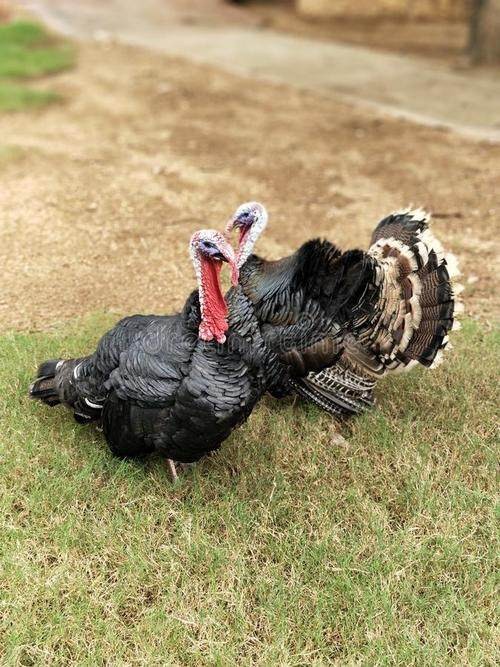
x: 390, y: 308
x: 80, y: 383
x: 175, y: 384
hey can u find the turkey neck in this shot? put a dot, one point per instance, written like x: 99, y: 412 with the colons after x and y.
x: 212, y: 303
x: 243, y: 252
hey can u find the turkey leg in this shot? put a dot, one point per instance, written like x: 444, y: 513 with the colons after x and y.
x: 175, y: 466
x: 173, y: 470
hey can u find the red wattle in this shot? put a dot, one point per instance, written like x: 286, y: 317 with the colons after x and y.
x: 213, y: 306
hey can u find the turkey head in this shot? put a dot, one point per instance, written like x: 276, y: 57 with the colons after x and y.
x: 251, y: 220
x: 209, y: 249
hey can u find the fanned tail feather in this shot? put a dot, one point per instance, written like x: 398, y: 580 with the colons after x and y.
x: 402, y: 321
x: 415, y: 261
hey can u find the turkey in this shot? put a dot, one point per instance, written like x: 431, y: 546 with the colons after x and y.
x: 180, y: 383
x: 391, y: 308
x: 79, y: 383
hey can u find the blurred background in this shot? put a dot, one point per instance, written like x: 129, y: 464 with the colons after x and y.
x: 125, y: 125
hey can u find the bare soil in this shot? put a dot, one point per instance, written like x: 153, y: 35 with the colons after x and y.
x: 440, y: 40
x: 101, y: 194
x: 417, y: 89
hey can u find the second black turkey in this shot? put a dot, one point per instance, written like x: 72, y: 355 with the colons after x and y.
x: 389, y: 309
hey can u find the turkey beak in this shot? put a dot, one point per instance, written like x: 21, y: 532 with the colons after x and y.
x: 220, y: 257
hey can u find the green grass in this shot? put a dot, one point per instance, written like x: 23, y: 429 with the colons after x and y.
x: 288, y: 547
x: 27, y: 51
x: 9, y: 153
x: 14, y: 97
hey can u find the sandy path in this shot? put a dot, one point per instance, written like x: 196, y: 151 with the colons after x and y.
x: 100, y: 195
x: 409, y: 87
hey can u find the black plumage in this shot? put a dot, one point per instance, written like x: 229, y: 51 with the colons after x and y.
x: 175, y: 384
x: 80, y: 383
x: 305, y: 305
x: 184, y: 399
x: 362, y: 314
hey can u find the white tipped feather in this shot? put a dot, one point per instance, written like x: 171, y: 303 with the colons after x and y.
x: 97, y: 406
x: 420, y: 214
x: 423, y: 251
x: 452, y: 265
x: 417, y: 214
x: 401, y: 313
x: 428, y: 238
x: 407, y: 332
x: 76, y: 370
x: 416, y: 311
x: 416, y: 284
x: 438, y: 360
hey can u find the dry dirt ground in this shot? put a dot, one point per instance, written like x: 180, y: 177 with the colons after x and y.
x: 440, y: 40
x: 213, y: 33
x: 101, y: 193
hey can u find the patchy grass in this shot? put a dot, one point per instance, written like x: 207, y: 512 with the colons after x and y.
x: 27, y: 51
x: 290, y: 546
x: 9, y: 153
x: 14, y: 97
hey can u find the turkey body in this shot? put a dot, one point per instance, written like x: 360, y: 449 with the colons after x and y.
x: 305, y: 303
x: 182, y: 396
x: 175, y: 384
x: 373, y: 312
x: 157, y: 386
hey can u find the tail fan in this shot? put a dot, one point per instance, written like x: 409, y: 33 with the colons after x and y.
x: 417, y: 303
x: 403, y: 321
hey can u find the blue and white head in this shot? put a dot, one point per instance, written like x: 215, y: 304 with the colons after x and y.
x: 251, y: 219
